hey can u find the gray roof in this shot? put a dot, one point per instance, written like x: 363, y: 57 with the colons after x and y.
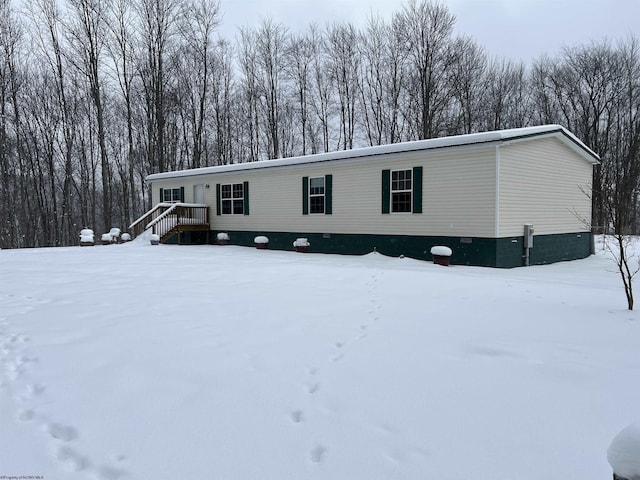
x: 498, y: 136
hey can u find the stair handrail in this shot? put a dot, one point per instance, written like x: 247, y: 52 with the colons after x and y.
x: 162, y: 216
x: 151, y: 218
x: 148, y: 213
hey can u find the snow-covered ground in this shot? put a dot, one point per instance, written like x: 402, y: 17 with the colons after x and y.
x: 162, y: 362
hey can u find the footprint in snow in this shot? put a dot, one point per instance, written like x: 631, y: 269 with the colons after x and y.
x: 33, y: 390
x: 13, y: 371
x: 314, y: 388
x: 17, y: 338
x: 62, y: 432
x: 24, y: 360
x: 26, y: 415
x: 489, y: 351
x: 318, y: 454
x: 72, y: 459
x: 297, y: 416
x: 110, y: 473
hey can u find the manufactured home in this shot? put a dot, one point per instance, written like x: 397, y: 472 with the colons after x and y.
x: 504, y: 199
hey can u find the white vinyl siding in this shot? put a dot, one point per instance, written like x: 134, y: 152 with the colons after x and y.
x: 545, y: 183
x: 458, y: 195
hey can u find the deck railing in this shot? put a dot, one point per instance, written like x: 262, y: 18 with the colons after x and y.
x: 166, y: 218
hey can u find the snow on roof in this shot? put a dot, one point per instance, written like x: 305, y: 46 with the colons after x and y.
x: 498, y: 136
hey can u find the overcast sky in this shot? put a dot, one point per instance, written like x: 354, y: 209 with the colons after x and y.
x: 517, y: 29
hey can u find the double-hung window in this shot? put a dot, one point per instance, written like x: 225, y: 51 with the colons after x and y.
x: 317, y: 195
x: 232, y: 198
x: 401, y: 191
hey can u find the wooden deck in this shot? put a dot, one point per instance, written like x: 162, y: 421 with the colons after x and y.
x: 168, y: 219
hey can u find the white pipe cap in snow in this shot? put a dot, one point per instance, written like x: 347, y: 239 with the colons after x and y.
x: 624, y: 453
x: 441, y: 251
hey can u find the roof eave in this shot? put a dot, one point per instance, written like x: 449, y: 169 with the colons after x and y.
x: 484, y: 138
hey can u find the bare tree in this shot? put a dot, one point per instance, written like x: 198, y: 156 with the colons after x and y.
x: 300, y: 60
x: 271, y: 41
x: 10, y: 158
x: 505, y: 97
x: 120, y: 46
x: 468, y: 82
x: 322, y: 84
x: 344, y: 62
x: 427, y: 27
x: 197, y: 24
x: 249, y: 90
x: 620, y: 181
x: 87, y: 36
x: 158, y: 26
x: 46, y: 15
x: 223, y: 103
x: 382, y: 81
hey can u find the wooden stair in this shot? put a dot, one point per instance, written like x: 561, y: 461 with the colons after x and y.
x: 169, y: 219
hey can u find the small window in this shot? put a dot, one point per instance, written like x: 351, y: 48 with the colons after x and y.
x: 316, y: 195
x: 232, y: 198
x: 171, y: 195
x: 401, y: 191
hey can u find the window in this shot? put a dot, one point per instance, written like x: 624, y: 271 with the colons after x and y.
x: 232, y: 198
x: 171, y: 195
x: 401, y: 191
x: 316, y: 195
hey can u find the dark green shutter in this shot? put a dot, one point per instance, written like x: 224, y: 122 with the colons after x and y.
x: 417, y: 189
x: 305, y: 195
x: 386, y: 190
x: 161, y: 195
x: 328, y: 189
x: 218, y: 204
x: 245, y: 187
x: 182, y: 194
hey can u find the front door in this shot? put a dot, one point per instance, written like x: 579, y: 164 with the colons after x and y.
x: 198, y: 193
